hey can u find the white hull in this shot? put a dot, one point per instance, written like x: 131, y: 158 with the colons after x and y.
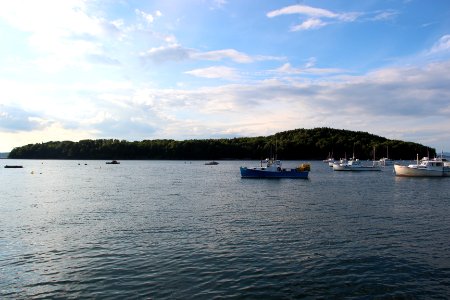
x: 354, y: 165
x: 338, y: 167
x: 408, y: 171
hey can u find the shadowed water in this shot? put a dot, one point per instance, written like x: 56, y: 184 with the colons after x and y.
x: 175, y: 229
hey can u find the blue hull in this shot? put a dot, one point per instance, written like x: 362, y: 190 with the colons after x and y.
x: 256, y: 173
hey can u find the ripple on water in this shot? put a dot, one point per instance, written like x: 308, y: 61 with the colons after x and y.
x: 137, y: 232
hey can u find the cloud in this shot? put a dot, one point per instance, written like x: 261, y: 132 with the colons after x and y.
x: 61, y: 33
x: 303, y: 10
x: 218, y: 4
x: 14, y: 119
x: 443, y: 45
x: 309, y: 24
x: 215, y: 72
x: 318, y: 17
x: 384, y: 15
x: 178, y: 53
x: 413, y: 99
x: 147, y: 17
x: 222, y: 54
x: 287, y: 69
x: 102, y: 59
x: 166, y: 54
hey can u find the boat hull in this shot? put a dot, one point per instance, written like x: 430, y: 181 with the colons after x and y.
x: 337, y: 167
x: 284, y: 173
x: 417, y: 172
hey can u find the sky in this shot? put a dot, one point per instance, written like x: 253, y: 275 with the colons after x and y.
x: 200, y: 69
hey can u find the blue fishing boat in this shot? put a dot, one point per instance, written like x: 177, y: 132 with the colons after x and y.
x: 274, y: 169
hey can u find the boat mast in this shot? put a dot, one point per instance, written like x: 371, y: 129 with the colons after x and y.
x: 374, y: 153
x: 276, y: 147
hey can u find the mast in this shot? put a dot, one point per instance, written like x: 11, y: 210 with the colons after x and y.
x: 373, y: 153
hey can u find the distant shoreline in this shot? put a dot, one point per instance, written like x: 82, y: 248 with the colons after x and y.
x: 298, y: 144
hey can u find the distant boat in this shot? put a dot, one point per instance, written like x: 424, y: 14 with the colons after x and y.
x: 354, y: 165
x: 211, y: 163
x: 329, y: 159
x: 425, y: 168
x: 385, y: 161
x: 113, y: 162
x: 273, y: 169
x: 13, y: 167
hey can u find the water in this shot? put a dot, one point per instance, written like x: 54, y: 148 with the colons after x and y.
x: 183, y: 230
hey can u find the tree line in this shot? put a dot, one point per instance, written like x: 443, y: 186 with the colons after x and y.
x: 298, y: 144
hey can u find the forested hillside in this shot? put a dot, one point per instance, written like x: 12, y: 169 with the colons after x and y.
x: 308, y: 144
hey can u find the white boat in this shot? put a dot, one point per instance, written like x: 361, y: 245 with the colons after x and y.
x: 329, y: 160
x: 341, y: 161
x: 423, y: 168
x: 274, y: 169
x: 354, y: 165
x: 386, y: 161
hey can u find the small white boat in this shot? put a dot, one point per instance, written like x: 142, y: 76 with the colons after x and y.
x: 341, y: 161
x: 329, y: 160
x: 386, y: 161
x: 354, y: 165
x: 425, y: 168
x: 274, y: 169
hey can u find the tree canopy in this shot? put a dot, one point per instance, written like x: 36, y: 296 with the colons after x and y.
x: 317, y: 143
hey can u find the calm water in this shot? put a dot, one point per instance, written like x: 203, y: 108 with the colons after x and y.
x: 180, y: 230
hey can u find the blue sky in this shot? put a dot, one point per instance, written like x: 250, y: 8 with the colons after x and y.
x: 181, y: 69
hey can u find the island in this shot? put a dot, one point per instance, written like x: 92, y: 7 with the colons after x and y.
x: 298, y: 144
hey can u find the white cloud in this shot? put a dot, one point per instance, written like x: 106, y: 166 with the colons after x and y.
x: 215, y: 72
x: 309, y: 24
x: 385, y: 15
x: 221, y: 54
x: 318, y: 17
x: 307, y: 70
x: 147, y: 17
x: 314, y: 16
x: 303, y: 10
x: 311, y: 62
x: 61, y: 33
x: 413, y: 98
x: 178, y: 53
x: 166, y: 54
x: 443, y: 45
x: 217, y: 4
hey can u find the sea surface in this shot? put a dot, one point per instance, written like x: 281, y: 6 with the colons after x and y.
x: 184, y: 230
